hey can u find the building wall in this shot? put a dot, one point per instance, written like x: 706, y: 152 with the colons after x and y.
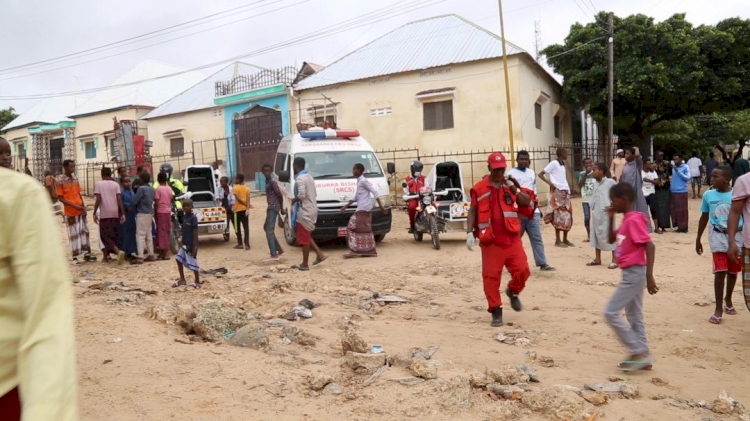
x: 479, y: 108
x: 197, y: 126
x: 100, y: 123
x: 279, y: 102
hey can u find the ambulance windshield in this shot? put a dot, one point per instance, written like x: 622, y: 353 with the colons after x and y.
x: 338, y: 165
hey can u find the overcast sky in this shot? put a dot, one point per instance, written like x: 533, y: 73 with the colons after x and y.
x: 35, y: 30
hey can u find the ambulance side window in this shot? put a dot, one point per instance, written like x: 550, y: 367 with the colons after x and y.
x: 281, y: 159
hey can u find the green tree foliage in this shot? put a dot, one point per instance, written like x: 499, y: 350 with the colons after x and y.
x: 664, y: 72
x: 6, y: 116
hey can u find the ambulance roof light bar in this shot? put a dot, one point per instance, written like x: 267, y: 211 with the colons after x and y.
x: 317, y: 134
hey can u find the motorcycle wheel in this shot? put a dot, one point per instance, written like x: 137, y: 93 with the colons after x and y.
x: 379, y: 238
x: 418, y: 235
x: 434, y: 232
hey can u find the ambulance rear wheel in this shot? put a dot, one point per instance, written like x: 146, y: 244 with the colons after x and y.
x: 289, y: 235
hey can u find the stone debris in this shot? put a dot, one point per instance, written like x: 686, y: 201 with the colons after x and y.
x: 252, y: 335
x: 532, y: 376
x: 573, y: 389
x: 185, y: 317
x: 509, y: 376
x: 289, y: 334
x: 368, y: 362
x: 517, y: 338
x: 318, y: 382
x: 656, y: 381
x: 352, y: 342
x: 594, y: 398
x: 425, y: 353
x: 420, y: 367
x: 558, y: 403
x: 370, y: 380
x: 725, y: 404
x: 628, y: 390
x: 215, y: 320
x: 506, y: 391
x: 546, y: 362
x: 388, y: 298
x: 306, y: 339
x: 409, y: 381
x: 480, y: 380
x: 332, y: 389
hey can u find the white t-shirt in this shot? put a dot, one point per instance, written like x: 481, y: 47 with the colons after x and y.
x: 648, y: 188
x: 694, y: 164
x: 527, y: 179
x: 557, y: 175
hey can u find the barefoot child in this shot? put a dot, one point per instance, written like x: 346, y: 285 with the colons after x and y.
x: 715, y: 209
x: 635, y: 256
x: 188, y: 254
x: 599, y: 237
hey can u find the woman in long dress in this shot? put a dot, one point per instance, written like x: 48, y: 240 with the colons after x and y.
x: 599, y: 219
x: 126, y: 234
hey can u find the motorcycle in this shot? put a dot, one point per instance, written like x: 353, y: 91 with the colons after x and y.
x: 426, y: 220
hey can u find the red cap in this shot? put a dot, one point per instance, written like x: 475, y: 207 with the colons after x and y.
x: 496, y: 160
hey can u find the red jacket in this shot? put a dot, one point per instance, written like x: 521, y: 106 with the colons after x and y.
x: 482, y: 191
x: 414, y: 185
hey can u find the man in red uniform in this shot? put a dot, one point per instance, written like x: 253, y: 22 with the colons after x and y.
x: 496, y: 203
x: 412, y: 184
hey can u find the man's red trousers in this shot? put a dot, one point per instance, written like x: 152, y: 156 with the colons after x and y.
x: 413, y: 204
x: 494, y: 258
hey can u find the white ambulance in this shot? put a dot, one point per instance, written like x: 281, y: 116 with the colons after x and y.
x: 329, y: 157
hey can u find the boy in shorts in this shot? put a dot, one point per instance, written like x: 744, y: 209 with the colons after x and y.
x: 188, y: 254
x: 635, y: 256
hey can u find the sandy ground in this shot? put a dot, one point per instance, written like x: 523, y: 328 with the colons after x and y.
x: 146, y: 374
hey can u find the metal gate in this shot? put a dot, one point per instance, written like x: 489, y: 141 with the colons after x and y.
x: 257, y: 136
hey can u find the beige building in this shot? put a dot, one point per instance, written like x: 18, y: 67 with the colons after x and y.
x: 438, y: 85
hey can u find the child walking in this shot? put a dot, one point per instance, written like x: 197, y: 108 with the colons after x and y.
x: 715, y: 210
x: 599, y: 236
x: 635, y: 256
x: 188, y: 254
x: 586, y: 184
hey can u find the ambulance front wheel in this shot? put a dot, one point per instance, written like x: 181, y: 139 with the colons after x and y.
x: 289, y: 235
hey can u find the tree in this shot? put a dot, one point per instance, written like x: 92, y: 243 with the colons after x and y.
x: 664, y: 71
x: 6, y: 116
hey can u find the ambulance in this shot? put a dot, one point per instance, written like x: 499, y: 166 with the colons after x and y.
x: 329, y: 157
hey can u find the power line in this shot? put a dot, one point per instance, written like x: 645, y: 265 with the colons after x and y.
x: 575, y: 48
x: 148, y: 46
x: 115, y: 44
x: 378, y: 15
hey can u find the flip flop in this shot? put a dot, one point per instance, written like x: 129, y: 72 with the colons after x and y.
x: 178, y: 284
x: 635, y: 365
x: 613, y: 266
x: 593, y: 263
x: 300, y: 267
x: 730, y: 311
x: 715, y: 320
x: 569, y: 244
x: 195, y: 286
x: 561, y: 245
x: 319, y: 261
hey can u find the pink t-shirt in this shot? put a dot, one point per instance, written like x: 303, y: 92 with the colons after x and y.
x: 632, y: 237
x: 108, y: 190
x: 741, y: 192
x: 163, y: 199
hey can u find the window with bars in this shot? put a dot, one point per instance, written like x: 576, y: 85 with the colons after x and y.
x: 90, y: 149
x: 177, y: 146
x: 377, y: 112
x: 557, y: 127
x: 438, y: 115
x: 538, y: 115
x: 21, y: 150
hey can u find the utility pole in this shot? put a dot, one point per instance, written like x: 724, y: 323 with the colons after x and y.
x: 538, y: 40
x: 507, y: 86
x: 611, y: 84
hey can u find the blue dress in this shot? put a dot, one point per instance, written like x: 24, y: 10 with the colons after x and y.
x: 126, y: 234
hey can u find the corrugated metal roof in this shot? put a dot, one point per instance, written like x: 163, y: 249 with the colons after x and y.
x: 424, y: 44
x: 49, y: 111
x: 144, y: 91
x: 200, y: 96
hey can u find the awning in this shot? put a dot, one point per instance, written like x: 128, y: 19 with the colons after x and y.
x: 173, y: 133
x: 19, y: 139
x: 436, y: 92
x: 85, y: 136
x: 108, y: 133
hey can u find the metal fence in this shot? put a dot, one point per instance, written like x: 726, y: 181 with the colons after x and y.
x: 205, y: 152
x: 473, y: 164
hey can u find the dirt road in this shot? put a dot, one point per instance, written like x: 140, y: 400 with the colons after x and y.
x: 131, y: 367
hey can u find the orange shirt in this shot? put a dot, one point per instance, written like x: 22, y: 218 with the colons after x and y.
x: 241, y: 192
x: 69, y: 189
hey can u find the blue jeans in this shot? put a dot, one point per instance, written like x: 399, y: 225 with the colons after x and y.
x: 270, y: 228
x: 534, y: 228
x: 587, y: 215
